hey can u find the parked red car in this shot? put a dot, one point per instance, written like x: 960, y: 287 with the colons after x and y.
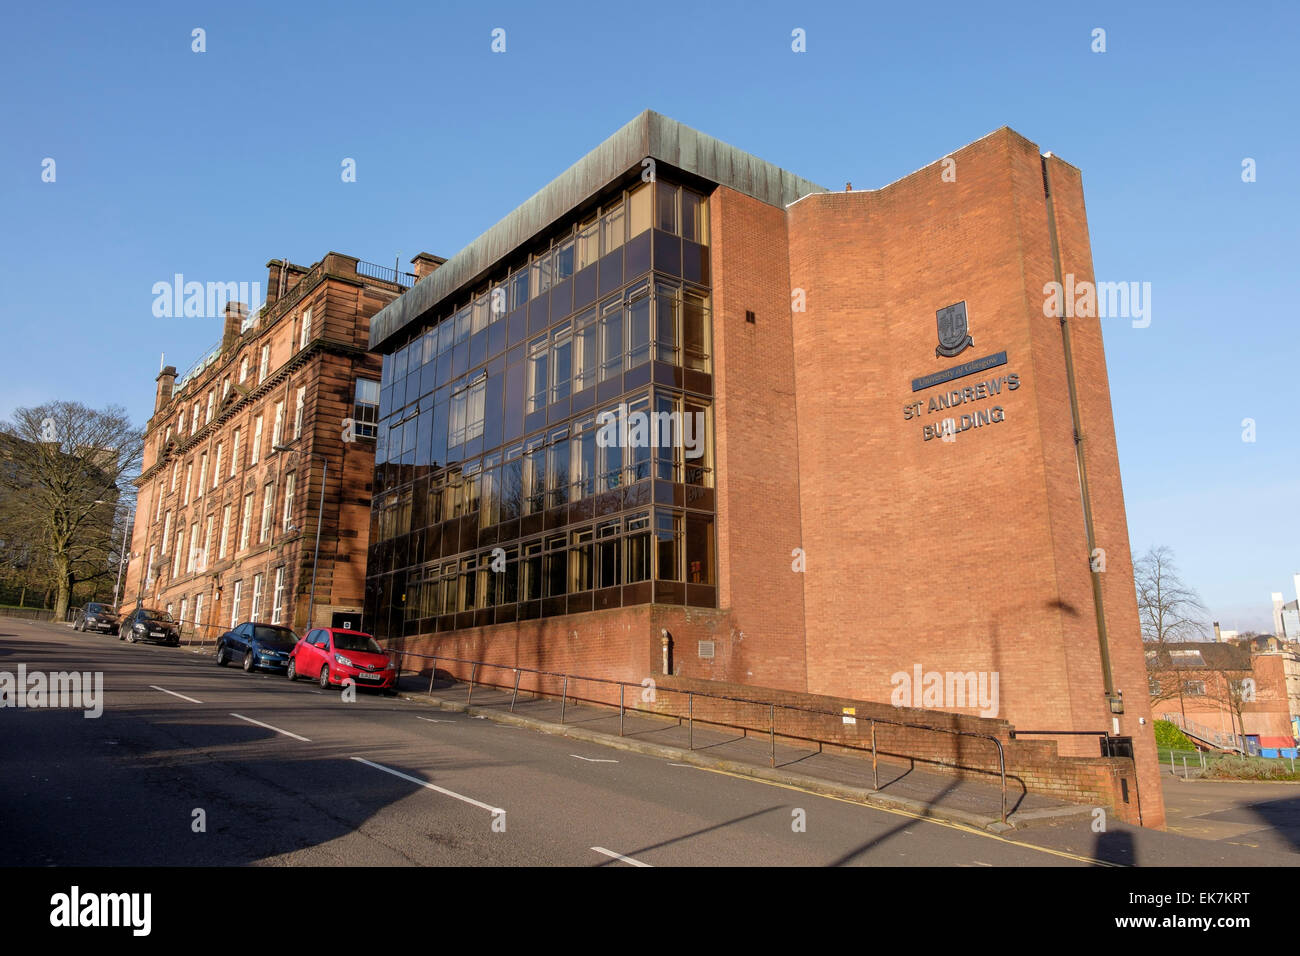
x: 332, y: 656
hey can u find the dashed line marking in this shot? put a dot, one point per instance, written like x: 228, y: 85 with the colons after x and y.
x: 430, y: 786
x: 174, y: 694
x: 269, y: 727
x: 619, y: 856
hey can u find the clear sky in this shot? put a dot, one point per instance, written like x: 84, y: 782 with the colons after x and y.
x: 209, y: 164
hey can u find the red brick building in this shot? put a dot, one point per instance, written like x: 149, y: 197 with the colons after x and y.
x: 226, y: 525
x: 834, y: 536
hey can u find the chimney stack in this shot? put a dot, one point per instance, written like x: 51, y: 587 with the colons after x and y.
x: 166, y: 382
x: 425, y: 263
x: 236, y: 312
x: 274, y: 269
x: 1218, y: 635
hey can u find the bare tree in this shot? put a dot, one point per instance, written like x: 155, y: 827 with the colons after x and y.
x: 1169, y: 612
x: 66, y: 489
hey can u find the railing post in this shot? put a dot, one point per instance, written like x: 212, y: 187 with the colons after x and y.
x: 1184, y: 766
x: 690, y: 720
x: 433, y: 672
x: 564, y: 697
x: 1002, y: 763
x: 473, y: 672
x: 875, y: 770
x: 771, y: 734
x: 515, y: 695
x: 621, y: 688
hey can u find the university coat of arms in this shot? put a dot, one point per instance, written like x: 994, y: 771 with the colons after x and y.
x: 953, y: 337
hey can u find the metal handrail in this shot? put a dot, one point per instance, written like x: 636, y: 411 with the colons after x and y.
x: 691, y: 694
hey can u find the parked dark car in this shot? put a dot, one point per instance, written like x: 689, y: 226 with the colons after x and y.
x: 256, y: 645
x: 148, y: 624
x: 96, y: 617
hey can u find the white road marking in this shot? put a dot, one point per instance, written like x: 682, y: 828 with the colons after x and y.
x: 174, y: 694
x: 620, y: 856
x: 592, y: 759
x: 429, y: 786
x: 269, y: 727
x: 432, y: 721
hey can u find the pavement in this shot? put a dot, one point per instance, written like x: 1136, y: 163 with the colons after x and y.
x: 193, y: 764
x: 904, y: 786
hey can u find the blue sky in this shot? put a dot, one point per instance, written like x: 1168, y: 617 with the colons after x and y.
x: 210, y: 164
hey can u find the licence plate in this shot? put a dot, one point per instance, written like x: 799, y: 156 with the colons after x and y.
x: 156, y: 634
x: 370, y: 676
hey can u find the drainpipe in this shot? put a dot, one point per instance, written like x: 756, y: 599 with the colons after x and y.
x: 1103, y: 642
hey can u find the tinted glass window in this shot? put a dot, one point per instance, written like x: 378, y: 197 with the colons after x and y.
x: 267, y: 633
x: 356, y: 642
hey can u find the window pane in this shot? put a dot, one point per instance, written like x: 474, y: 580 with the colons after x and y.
x: 512, y: 488
x: 695, y: 331
x: 612, y: 228
x: 564, y: 259
x: 586, y: 350
x: 581, y: 566
x: 638, y: 311
x: 561, y: 363
x: 638, y: 210
x: 640, y: 452
x: 666, y: 206
x: 668, y: 530
x: 700, y: 561
x: 558, y: 476
x: 666, y: 324
x: 537, y: 374
x: 588, y: 244
x: 541, y: 270
x: 611, y: 332
x: 638, y: 549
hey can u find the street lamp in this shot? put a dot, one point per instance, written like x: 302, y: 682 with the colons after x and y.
x: 320, y: 518
x: 121, y: 557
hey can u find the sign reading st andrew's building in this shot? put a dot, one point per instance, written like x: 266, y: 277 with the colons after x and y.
x: 955, y: 338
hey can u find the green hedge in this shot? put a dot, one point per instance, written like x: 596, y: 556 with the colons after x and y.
x: 1169, y: 736
x: 1234, y: 767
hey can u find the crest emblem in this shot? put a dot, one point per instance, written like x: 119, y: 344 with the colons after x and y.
x: 953, y: 337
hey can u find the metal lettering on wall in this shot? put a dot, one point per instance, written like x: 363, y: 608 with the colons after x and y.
x: 945, y: 425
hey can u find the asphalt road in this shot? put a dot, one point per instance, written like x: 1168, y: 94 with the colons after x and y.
x: 288, y: 774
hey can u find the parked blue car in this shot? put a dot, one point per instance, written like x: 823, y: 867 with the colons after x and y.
x: 256, y: 646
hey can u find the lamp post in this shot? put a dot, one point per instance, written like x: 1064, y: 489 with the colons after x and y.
x: 320, y: 518
x: 121, y: 558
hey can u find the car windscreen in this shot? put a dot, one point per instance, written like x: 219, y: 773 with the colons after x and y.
x: 273, y: 635
x: 357, y: 642
x: 95, y: 609
x: 161, y: 616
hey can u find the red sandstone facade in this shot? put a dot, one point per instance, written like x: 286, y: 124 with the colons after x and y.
x: 220, y: 510
x: 851, y: 549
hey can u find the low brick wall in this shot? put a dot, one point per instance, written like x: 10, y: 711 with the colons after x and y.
x: 1033, y: 765
x: 611, y: 645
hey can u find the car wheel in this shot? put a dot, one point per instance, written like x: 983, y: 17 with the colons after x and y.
x: 248, y: 661
x: 291, y: 671
x: 222, y: 659
x: 130, y: 637
x: 325, y: 676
